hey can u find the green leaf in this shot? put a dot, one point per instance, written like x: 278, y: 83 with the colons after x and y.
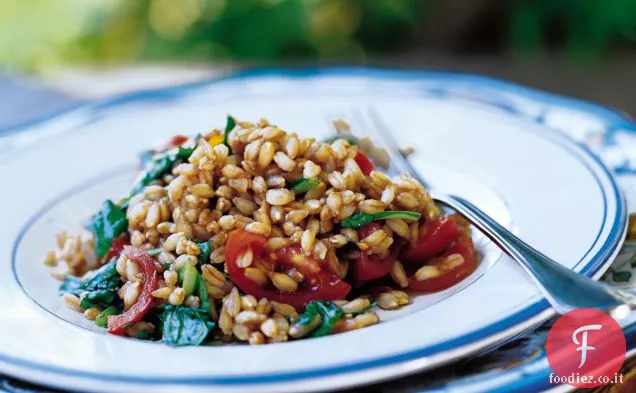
x: 107, y: 224
x: 229, y: 126
x: 98, y: 289
x: 102, y: 318
x: 329, y: 311
x: 71, y: 285
x: 160, y: 166
x: 105, y: 278
x: 184, y: 326
x: 100, y: 298
x: 184, y: 152
x: 360, y: 219
x: 206, y: 250
x: 303, y: 185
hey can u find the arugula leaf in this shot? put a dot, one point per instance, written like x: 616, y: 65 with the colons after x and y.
x: 100, y: 298
x: 229, y: 126
x: 329, y: 311
x: 107, y: 224
x: 303, y: 185
x: 184, y: 326
x: 360, y: 219
x: 102, y: 318
x: 206, y: 250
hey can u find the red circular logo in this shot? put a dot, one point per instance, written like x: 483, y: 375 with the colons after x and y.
x: 585, y: 348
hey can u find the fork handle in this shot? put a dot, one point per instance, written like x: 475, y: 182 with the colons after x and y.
x: 564, y: 289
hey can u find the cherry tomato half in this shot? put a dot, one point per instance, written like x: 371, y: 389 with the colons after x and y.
x: 366, y: 166
x: 448, y: 273
x: 435, y: 237
x: 370, y: 267
x: 318, y: 282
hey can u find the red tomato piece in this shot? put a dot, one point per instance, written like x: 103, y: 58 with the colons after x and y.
x: 318, y: 283
x: 117, y: 323
x: 117, y: 246
x: 370, y: 267
x: 449, y: 274
x: 177, y: 140
x: 435, y: 237
x: 366, y: 166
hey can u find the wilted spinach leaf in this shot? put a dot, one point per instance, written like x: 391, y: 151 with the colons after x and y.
x: 329, y: 311
x: 107, y: 224
x: 100, y: 298
x: 206, y: 250
x: 184, y: 326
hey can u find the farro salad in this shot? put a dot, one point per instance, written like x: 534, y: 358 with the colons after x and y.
x: 254, y: 234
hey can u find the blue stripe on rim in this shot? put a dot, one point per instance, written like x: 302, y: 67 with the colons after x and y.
x: 618, y: 226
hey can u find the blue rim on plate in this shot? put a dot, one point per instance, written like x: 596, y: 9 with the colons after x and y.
x: 88, y: 111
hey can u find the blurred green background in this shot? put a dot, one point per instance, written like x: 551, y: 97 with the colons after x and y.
x: 36, y: 34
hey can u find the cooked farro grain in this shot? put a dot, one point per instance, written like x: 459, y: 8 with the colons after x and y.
x: 289, y: 201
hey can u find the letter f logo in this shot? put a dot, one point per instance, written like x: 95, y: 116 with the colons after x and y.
x: 583, y: 343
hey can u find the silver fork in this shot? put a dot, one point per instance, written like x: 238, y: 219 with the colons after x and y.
x: 564, y: 289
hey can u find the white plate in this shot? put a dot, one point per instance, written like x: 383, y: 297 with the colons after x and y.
x: 550, y: 191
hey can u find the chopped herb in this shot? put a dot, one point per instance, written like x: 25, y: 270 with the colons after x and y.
x: 102, y: 318
x: 329, y: 311
x: 107, y: 224
x: 206, y: 250
x: 155, y: 251
x: 166, y: 265
x: 184, y: 326
x: 229, y: 126
x: 100, y: 298
x: 303, y: 185
x: 360, y: 219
